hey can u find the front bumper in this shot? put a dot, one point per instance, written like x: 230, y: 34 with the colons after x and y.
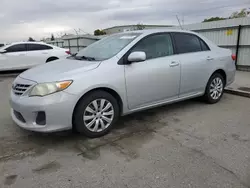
x: 58, y: 109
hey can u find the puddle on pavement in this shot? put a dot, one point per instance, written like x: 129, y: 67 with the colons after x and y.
x: 133, y: 130
x: 9, y: 180
x: 239, y: 138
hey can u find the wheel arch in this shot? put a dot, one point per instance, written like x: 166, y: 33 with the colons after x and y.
x: 51, y: 58
x: 106, y: 89
x: 222, y: 73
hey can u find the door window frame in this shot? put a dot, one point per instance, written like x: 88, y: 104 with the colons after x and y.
x: 123, y: 59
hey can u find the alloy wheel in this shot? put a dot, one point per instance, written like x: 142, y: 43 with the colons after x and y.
x: 98, y: 115
x: 216, y: 88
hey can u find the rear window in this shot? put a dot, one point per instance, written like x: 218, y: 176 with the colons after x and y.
x: 35, y: 47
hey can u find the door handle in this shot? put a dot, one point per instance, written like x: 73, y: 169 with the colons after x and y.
x: 174, y: 64
x: 45, y: 53
x: 209, y: 58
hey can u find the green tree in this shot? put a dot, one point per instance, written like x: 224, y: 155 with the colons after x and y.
x: 99, y: 32
x: 139, y: 27
x: 214, y: 19
x: 31, y: 39
x: 52, y: 37
x: 240, y: 14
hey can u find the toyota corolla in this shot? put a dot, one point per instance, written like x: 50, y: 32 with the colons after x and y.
x: 118, y: 75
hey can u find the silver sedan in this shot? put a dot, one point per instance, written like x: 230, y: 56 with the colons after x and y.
x: 118, y: 75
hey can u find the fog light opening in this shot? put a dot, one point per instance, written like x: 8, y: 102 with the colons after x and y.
x: 41, y: 118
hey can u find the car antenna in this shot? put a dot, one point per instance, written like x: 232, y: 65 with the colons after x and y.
x: 179, y: 22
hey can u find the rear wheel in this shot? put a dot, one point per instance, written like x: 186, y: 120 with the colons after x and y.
x: 96, y: 114
x: 215, y: 88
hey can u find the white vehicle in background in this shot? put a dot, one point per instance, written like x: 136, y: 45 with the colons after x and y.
x: 24, y: 55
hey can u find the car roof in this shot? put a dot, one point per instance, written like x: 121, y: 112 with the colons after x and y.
x: 152, y: 31
x: 28, y: 42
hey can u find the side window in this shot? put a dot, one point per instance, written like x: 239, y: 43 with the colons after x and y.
x: 186, y: 43
x: 16, y: 48
x: 155, y: 46
x: 35, y: 47
x: 204, y: 46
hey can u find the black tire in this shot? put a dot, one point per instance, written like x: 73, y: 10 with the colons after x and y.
x: 51, y: 59
x: 207, y: 96
x: 78, y: 122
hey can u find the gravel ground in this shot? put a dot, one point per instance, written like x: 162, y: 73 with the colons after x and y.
x: 188, y: 144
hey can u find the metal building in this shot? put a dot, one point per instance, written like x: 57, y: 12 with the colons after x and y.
x: 123, y: 28
x: 74, y: 42
x: 233, y: 34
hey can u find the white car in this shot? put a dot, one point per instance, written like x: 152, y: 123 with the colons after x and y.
x: 24, y: 55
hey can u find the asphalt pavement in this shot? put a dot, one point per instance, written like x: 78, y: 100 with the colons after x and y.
x: 188, y: 144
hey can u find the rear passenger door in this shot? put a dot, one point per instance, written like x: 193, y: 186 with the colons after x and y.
x: 38, y: 53
x: 195, y: 58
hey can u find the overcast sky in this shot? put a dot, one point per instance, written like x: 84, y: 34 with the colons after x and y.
x: 20, y: 19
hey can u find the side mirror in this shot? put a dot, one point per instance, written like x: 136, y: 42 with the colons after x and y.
x: 2, y: 51
x: 137, y: 57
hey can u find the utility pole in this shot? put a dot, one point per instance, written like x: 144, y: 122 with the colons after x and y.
x: 179, y: 22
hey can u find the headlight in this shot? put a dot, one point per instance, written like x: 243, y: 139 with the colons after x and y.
x: 49, y: 88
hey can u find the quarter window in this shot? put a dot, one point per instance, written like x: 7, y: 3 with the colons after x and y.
x: 155, y: 46
x: 204, y: 46
x: 35, y: 47
x: 16, y: 48
x: 186, y: 43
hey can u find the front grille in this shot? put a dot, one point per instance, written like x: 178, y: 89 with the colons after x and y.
x: 19, y: 89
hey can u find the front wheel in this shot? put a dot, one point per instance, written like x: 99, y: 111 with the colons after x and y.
x: 96, y: 114
x: 214, y: 89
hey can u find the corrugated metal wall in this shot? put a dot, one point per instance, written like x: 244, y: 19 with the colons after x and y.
x: 58, y: 43
x: 225, y: 34
x: 74, y: 43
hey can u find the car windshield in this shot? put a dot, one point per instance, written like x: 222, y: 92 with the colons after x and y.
x: 107, y: 47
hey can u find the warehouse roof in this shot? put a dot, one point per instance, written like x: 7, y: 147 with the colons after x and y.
x: 136, y: 25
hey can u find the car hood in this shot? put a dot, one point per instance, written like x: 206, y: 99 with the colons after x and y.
x: 59, y: 70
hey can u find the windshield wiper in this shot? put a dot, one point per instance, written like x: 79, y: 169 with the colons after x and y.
x: 85, y: 58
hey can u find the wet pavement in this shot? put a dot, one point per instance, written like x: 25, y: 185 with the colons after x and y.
x: 188, y: 144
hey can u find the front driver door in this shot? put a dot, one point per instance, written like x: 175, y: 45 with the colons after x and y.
x: 15, y: 57
x: 157, y: 79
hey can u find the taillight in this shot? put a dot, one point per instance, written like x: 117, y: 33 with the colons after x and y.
x: 234, y: 57
x: 67, y: 52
